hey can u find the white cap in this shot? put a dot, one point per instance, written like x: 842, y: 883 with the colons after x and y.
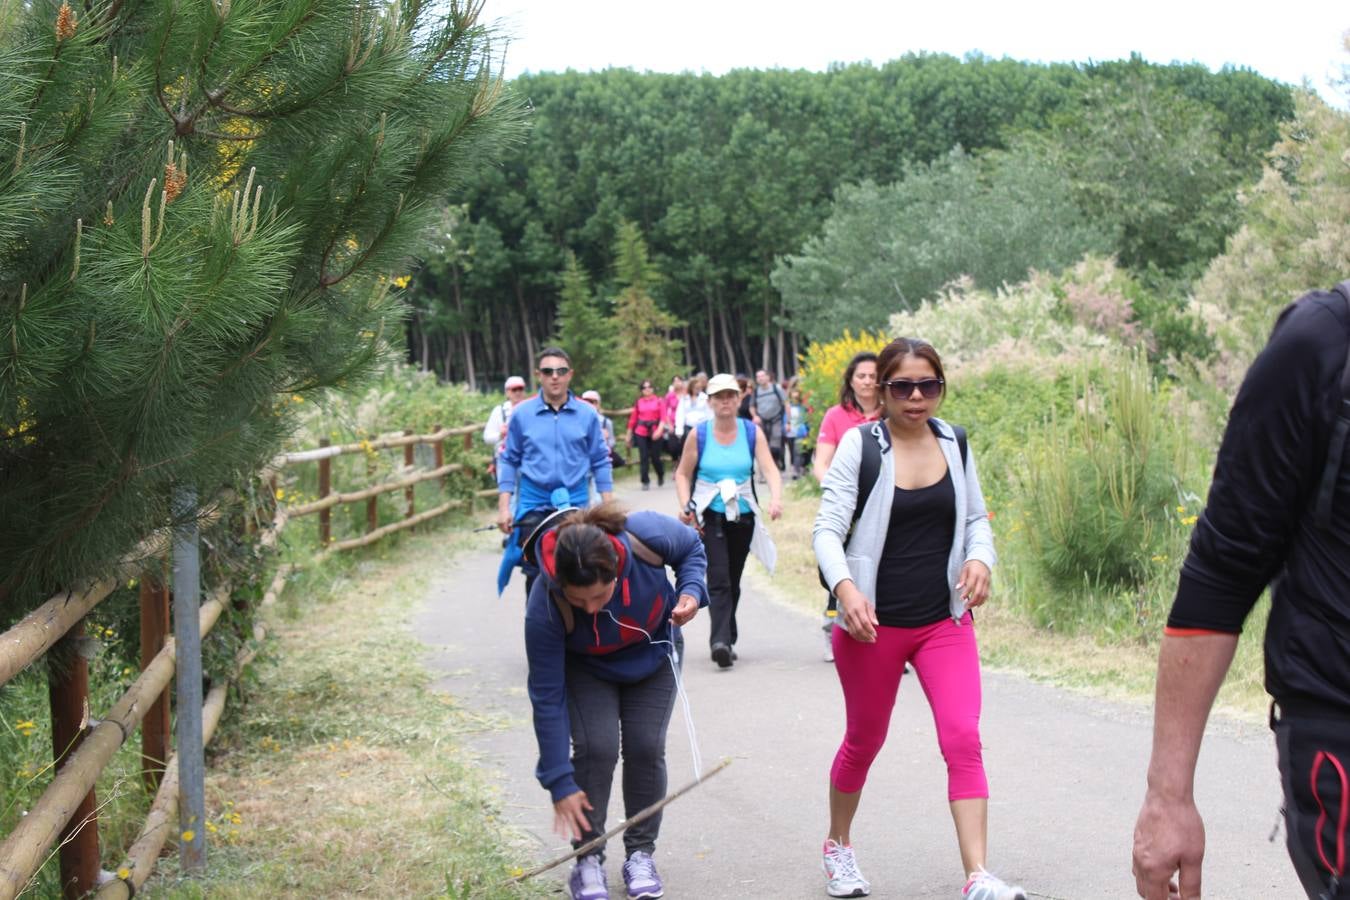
x: 722, y: 382
x: 515, y: 381
x: 591, y: 395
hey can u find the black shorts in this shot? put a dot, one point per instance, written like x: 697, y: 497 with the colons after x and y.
x: 1315, y: 773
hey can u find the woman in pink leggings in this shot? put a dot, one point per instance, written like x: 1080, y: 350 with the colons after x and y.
x: 917, y: 562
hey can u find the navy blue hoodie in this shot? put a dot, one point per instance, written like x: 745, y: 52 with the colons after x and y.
x: 643, y: 597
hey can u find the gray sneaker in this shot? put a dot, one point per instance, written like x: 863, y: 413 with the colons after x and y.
x: 639, y: 874
x: 842, y: 878
x: 588, y: 880
x: 983, y: 886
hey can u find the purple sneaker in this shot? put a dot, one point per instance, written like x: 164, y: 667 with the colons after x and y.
x: 588, y: 880
x: 639, y: 873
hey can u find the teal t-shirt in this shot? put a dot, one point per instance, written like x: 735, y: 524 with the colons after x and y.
x: 718, y: 462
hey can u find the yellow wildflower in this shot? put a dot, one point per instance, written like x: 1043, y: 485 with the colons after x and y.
x: 1190, y: 520
x: 123, y: 873
x: 402, y: 281
x: 281, y: 493
x: 188, y: 836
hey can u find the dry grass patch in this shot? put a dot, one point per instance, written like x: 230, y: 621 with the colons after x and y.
x: 339, y: 774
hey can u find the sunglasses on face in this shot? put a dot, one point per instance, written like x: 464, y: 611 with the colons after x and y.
x: 559, y: 371
x: 903, y: 388
x: 514, y: 389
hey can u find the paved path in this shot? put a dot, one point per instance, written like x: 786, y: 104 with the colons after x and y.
x: 1066, y: 771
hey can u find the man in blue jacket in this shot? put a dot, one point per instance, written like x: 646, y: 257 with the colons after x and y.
x: 554, y: 443
x: 1278, y: 513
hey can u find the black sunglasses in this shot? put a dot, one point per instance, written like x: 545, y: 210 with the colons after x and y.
x: 903, y: 388
x: 560, y: 371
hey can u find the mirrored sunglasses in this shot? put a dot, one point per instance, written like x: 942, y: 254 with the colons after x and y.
x: 903, y: 388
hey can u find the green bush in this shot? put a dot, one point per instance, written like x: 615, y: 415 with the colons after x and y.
x: 1105, y: 487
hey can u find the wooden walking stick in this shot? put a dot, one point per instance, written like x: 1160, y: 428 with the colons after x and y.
x: 631, y: 820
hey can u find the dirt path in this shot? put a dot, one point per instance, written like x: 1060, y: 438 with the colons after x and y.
x: 1066, y: 771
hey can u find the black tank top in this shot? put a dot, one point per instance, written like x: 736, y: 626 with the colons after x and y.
x: 912, y: 588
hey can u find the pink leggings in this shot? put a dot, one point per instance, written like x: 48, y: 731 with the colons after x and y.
x: 947, y: 662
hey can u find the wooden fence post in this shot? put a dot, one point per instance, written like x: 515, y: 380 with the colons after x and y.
x: 438, y: 459
x: 68, y: 691
x: 325, y: 488
x: 373, y: 504
x: 155, y: 725
x: 468, y: 447
x: 408, y: 458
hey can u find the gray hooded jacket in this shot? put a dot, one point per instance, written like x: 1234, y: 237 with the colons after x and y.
x: 973, y: 539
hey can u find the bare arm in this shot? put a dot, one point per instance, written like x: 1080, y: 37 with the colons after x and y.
x: 1169, y: 836
x: 684, y: 474
x: 771, y: 474
x: 820, y: 460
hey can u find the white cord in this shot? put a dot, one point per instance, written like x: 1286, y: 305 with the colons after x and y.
x: 673, y: 659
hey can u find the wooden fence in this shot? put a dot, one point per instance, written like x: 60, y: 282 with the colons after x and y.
x: 65, y: 814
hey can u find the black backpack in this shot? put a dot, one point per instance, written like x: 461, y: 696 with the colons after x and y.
x: 1340, y: 436
x: 869, y: 468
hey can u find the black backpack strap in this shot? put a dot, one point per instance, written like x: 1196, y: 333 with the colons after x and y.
x: 569, y: 619
x: 869, y: 468
x: 961, y: 442
x: 643, y: 552
x: 1340, y: 436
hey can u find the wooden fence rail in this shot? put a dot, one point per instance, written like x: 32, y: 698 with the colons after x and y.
x: 85, y: 746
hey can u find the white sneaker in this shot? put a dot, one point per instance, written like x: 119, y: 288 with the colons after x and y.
x: 829, y: 645
x: 841, y: 872
x: 983, y: 886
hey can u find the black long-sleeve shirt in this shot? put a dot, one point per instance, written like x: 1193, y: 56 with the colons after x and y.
x: 1258, y: 528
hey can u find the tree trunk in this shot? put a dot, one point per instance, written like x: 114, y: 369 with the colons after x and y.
x: 744, y: 339
x: 525, y: 323
x: 466, y: 335
x: 766, y: 362
x: 782, y: 354
x: 726, y: 341
x: 712, y: 332
x: 796, y: 351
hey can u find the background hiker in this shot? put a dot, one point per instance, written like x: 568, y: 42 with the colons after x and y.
x: 554, y: 446
x: 645, y: 426
x: 714, y: 489
x: 858, y: 403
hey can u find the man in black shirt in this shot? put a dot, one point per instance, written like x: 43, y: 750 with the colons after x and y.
x: 1278, y: 513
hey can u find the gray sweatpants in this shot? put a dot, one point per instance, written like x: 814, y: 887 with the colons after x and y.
x: 608, y: 720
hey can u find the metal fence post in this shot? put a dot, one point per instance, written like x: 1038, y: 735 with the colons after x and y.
x: 68, y: 692
x: 155, y: 725
x: 325, y: 488
x: 188, y: 686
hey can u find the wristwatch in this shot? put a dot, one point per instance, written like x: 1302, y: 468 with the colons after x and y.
x: 691, y: 507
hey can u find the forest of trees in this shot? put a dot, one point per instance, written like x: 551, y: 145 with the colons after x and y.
x: 780, y: 206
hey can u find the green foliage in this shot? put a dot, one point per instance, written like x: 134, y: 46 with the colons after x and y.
x: 1136, y: 138
x: 822, y: 372
x: 587, y: 334
x: 644, y: 348
x: 1295, y: 236
x: 884, y: 249
x: 186, y: 235
x: 1102, y: 486
x: 725, y: 175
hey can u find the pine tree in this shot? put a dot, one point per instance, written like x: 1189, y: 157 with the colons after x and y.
x: 587, y: 335
x: 645, y: 348
x: 199, y: 203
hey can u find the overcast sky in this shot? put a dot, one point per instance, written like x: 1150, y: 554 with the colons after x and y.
x: 1288, y: 41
